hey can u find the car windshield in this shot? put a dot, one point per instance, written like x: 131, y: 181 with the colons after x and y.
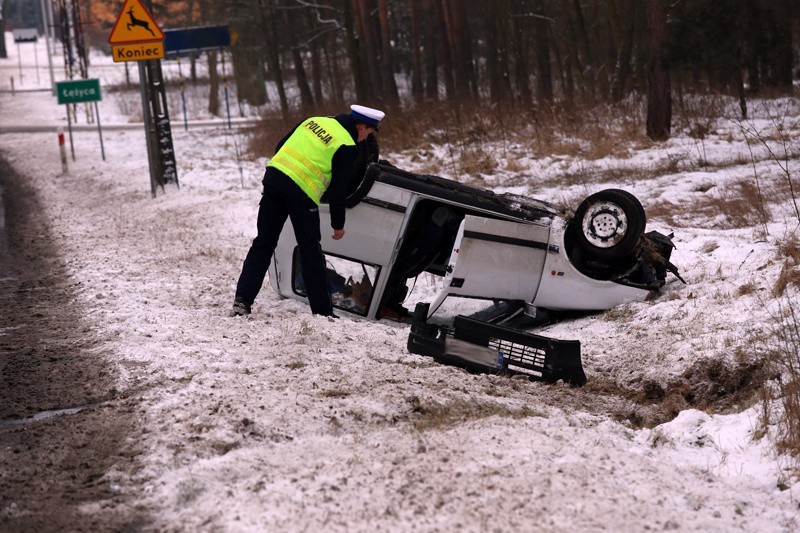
x: 477, y: 308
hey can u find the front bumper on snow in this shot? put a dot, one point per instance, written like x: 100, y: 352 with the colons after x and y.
x: 482, y: 347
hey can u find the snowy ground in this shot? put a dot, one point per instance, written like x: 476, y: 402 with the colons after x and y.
x: 286, y: 421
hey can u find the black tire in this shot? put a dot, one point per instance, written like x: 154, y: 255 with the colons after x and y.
x: 362, y: 188
x: 609, y: 224
x: 369, y: 152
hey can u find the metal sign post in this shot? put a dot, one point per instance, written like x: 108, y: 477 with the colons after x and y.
x: 160, y: 151
x: 46, y: 7
x: 182, y: 83
x: 151, y: 159
x: 137, y: 37
x: 75, y: 92
x: 99, y: 130
x: 25, y: 35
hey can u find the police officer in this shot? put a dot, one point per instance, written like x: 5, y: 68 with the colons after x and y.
x: 318, y: 157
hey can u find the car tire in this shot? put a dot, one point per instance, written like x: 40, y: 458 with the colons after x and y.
x: 362, y: 188
x: 608, y: 224
x: 369, y: 152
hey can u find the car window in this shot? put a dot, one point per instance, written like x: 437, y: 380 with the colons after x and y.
x: 478, y: 308
x: 351, y: 283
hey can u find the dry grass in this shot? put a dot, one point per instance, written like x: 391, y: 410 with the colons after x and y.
x: 620, y: 313
x: 479, y: 141
x: 789, y: 439
x: 433, y: 415
x: 790, y: 275
x: 788, y: 250
x: 261, y: 140
x: 476, y: 162
x: 782, y: 349
x: 467, y: 131
x: 335, y: 393
x: 735, y: 205
x: 746, y: 289
x: 716, y: 385
x: 740, y: 203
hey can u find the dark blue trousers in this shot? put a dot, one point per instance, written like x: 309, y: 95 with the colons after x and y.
x: 275, y: 207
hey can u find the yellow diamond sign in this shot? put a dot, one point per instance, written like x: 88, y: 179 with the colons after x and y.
x: 135, y: 25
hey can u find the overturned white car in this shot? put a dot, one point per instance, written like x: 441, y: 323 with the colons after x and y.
x: 493, y: 263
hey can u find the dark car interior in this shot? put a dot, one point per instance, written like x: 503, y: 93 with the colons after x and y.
x: 427, y: 245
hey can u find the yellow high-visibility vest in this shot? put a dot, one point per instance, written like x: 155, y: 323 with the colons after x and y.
x: 307, y: 155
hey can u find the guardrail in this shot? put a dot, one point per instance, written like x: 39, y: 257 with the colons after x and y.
x: 36, y: 128
x: 14, y: 91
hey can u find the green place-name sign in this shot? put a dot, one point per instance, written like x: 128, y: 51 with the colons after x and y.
x: 73, y: 92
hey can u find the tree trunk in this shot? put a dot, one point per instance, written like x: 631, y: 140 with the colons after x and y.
x: 780, y: 57
x: 500, y: 80
x: 458, y: 37
x: 544, y: 72
x: 446, y: 52
x: 368, y: 47
x: 353, y: 50
x: 429, y: 15
x: 213, y: 81
x: 268, y: 16
x: 493, y: 68
x: 334, y: 73
x: 520, y: 45
x: 246, y: 51
x: 639, y: 56
x: 753, y: 35
x: 622, y: 68
x: 316, y: 63
x: 659, y: 98
x: 208, y: 12
x: 416, y: 57
x: 306, y: 99
x: 571, y: 61
x: 387, y: 66
x: 587, y: 66
x: 3, y: 12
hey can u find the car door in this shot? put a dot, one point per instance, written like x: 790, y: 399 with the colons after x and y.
x: 372, y: 230
x: 496, y: 259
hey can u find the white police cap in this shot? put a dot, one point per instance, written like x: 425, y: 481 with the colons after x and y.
x: 367, y: 115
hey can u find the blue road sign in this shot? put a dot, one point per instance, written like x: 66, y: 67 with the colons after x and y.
x: 184, y: 40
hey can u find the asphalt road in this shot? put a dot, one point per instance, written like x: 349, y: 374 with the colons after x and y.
x: 65, y: 432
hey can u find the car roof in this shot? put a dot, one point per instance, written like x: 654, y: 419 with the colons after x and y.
x: 506, y: 204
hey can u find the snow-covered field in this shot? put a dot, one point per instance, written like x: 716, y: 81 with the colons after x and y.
x: 287, y: 421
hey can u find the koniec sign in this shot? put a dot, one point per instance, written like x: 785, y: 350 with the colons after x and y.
x: 136, y: 36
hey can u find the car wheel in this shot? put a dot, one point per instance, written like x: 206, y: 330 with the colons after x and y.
x: 369, y: 152
x: 609, y: 223
x: 361, y: 189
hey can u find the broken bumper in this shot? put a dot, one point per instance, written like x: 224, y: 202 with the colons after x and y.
x: 482, y: 347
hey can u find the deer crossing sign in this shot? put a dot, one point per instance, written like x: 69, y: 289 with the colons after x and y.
x: 136, y: 36
x: 135, y: 25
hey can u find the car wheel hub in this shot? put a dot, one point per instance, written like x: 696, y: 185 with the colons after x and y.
x: 604, y: 225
